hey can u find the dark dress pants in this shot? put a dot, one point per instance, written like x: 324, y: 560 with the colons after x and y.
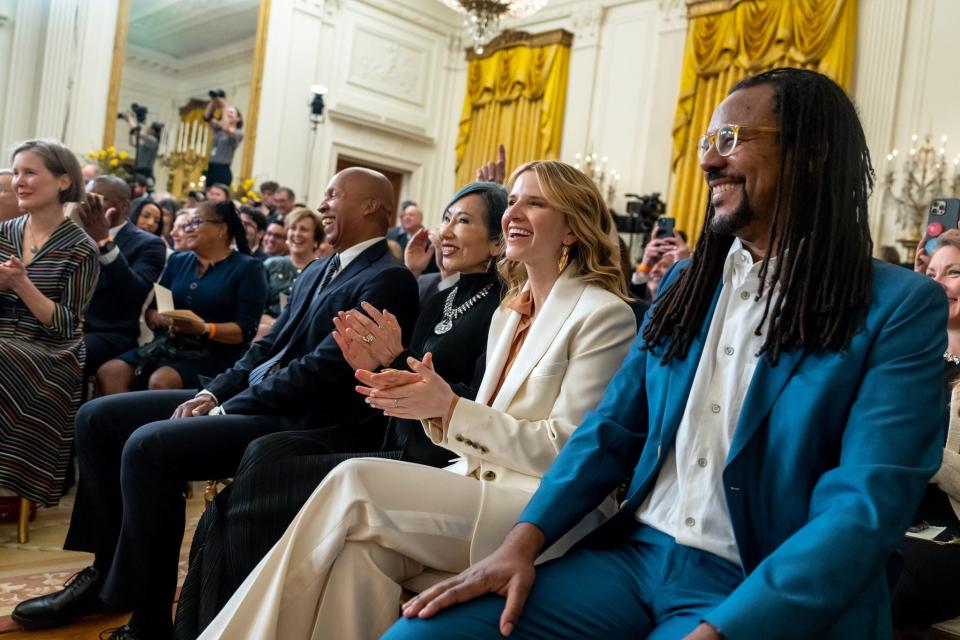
x: 134, y: 461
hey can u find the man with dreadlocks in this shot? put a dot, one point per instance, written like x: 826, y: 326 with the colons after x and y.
x: 780, y: 416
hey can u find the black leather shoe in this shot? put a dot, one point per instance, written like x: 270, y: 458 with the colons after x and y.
x: 119, y: 633
x: 79, y: 597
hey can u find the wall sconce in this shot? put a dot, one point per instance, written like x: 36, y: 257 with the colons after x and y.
x: 316, y: 105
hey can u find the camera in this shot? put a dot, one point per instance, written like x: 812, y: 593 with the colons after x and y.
x: 138, y: 111
x: 216, y: 93
x: 642, y: 212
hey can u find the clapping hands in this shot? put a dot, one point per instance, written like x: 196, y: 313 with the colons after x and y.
x: 419, y: 394
x: 368, y: 342
x: 12, y: 274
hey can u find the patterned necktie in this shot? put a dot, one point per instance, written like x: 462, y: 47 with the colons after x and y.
x: 268, y: 366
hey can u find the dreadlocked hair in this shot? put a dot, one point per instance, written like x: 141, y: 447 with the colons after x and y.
x: 819, y: 231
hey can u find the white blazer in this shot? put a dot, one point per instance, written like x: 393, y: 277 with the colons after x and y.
x: 576, y: 343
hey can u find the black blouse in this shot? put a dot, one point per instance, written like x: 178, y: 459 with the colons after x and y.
x: 458, y: 356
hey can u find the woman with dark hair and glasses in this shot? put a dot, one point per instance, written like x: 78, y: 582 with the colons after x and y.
x: 48, y: 273
x: 224, y: 287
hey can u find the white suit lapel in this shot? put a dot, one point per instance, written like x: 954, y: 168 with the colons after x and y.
x: 542, y: 333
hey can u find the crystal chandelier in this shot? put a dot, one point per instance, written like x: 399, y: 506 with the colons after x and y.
x: 483, y: 16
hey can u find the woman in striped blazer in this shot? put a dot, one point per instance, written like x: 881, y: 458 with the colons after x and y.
x: 48, y: 273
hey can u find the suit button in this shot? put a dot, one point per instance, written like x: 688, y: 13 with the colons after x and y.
x: 468, y: 442
x: 484, y: 450
x: 489, y: 475
x: 458, y: 438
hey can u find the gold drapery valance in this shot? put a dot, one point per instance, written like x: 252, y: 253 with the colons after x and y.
x: 723, y: 48
x: 516, y: 96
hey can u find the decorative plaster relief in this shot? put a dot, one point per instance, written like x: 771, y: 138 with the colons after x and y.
x: 384, y: 65
x: 586, y: 26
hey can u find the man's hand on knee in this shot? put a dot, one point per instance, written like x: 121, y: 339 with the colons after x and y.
x: 508, y: 571
x: 199, y: 406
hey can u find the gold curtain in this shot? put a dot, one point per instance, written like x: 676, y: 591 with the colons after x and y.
x: 515, y: 96
x: 724, y: 48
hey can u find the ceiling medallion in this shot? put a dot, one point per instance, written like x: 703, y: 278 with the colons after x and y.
x: 483, y: 16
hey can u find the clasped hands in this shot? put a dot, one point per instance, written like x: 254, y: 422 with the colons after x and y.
x: 12, y: 274
x: 373, y: 341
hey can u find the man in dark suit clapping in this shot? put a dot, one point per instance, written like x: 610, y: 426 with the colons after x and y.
x: 130, y: 262
x: 293, y: 378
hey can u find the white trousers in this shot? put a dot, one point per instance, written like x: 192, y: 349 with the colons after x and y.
x: 371, y: 525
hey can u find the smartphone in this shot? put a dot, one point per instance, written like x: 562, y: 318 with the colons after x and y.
x: 943, y: 215
x: 665, y: 226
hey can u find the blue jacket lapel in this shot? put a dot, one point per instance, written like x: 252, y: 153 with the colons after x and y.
x: 765, y: 387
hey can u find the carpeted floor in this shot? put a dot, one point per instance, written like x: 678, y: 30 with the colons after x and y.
x: 42, y: 566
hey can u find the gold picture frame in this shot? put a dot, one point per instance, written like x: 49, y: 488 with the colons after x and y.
x: 256, y: 81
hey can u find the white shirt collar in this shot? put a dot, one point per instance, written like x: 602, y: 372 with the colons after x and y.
x: 348, y: 255
x: 115, y: 230
x: 740, y: 265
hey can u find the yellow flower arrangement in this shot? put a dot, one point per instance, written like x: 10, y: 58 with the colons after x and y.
x: 244, y: 192
x: 112, y: 162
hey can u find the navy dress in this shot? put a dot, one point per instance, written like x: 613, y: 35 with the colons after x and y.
x: 232, y: 290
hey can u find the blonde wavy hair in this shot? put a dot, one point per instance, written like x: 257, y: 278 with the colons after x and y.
x: 595, y: 257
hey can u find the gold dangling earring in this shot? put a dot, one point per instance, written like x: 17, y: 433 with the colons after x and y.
x: 564, y: 258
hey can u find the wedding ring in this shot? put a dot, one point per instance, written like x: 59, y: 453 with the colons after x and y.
x: 368, y: 338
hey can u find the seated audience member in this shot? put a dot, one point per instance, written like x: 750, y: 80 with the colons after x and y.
x: 275, y: 239
x: 888, y: 254
x: 89, y: 171
x: 9, y: 208
x: 178, y: 235
x: 267, y: 189
x: 255, y: 226
x: 227, y: 136
x: 411, y: 221
x: 138, y: 187
x: 48, y: 272
x: 148, y: 217
x: 923, y: 597
x: 304, y: 235
x: 130, y: 262
x: 278, y: 472
x: 767, y: 513
x: 169, y: 207
x: 217, y: 192
x: 194, y: 198
x: 294, y: 378
x: 284, y: 201
x: 658, y: 256
x: 223, y: 287
x: 553, y: 344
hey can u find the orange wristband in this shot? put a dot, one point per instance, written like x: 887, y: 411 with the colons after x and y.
x: 213, y: 331
x: 643, y: 268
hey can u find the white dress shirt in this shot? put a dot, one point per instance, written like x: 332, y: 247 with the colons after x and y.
x: 111, y: 255
x: 687, y: 500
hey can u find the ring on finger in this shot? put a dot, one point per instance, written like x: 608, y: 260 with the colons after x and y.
x: 368, y: 338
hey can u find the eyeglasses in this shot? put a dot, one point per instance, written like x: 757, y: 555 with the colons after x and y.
x: 726, y: 137
x: 194, y: 223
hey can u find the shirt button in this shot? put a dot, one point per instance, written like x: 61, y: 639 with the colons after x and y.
x: 702, y: 462
x: 715, y: 408
x: 193, y: 285
x: 489, y: 475
x: 744, y: 295
x: 689, y: 522
x: 188, y: 299
x: 728, y: 351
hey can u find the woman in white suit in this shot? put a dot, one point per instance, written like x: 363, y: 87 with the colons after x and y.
x: 372, y: 525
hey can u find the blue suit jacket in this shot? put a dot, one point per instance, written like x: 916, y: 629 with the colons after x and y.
x: 829, y: 459
x: 314, y: 386
x: 123, y: 284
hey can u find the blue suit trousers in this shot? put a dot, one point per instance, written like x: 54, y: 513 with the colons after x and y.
x: 647, y: 587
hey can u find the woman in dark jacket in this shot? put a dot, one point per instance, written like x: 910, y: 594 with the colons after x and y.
x: 279, y: 472
x: 226, y: 291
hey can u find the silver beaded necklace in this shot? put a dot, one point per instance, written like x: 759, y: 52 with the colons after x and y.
x: 951, y: 358
x: 450, y: 314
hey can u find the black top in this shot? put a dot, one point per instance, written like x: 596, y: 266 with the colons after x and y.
x: 459, y: 358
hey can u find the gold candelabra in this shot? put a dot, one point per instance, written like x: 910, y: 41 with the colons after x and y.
x: 596, y: 169
x: 926, y: 174
x: 185, y: 170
